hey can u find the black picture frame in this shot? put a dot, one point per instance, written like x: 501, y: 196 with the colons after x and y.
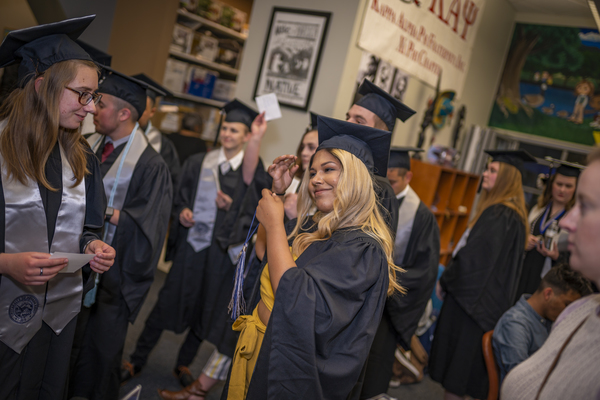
x: 291, y: 56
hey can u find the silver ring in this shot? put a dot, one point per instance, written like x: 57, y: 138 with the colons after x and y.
x: 41, y: 271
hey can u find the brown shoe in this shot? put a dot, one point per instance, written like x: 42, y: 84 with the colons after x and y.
x: 195, y: 389
x: 184, y: 375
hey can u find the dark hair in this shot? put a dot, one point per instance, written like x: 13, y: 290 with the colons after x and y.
x: 563, y: 279
x: 192, y: 122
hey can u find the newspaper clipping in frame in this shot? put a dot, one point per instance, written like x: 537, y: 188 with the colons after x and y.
x: 424, y: 38
x: 291, y: 56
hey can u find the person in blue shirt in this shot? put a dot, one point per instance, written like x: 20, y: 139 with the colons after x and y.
x: 523, y: 329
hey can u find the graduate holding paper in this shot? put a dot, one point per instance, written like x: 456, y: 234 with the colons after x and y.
x: 52, y: 201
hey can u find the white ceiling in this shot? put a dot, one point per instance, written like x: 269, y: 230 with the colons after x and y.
x: 566, y: 8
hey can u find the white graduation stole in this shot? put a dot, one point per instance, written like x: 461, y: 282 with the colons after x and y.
x: 205, y: 206
x: 154, y: 137
x: 406, y: 219
x: 117, y: 179
x: 23, y: 307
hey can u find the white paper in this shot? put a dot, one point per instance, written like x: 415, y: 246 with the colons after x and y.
x: 76, y: 261
x: 270, y: 105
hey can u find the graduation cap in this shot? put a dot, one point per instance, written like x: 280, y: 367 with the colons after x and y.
x: 516, y: 158
x: 97, y: 55
x: 236, y: 111
x: 39, y: 47
x: 313, y: 122
x: 565, y: 168
x: 154, y: 88
x: 125, y: 88
x: 370, y: 145
x: 399, y: 157
x: 379, y: 102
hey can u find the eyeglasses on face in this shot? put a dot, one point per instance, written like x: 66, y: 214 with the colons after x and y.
x: 86, y: 98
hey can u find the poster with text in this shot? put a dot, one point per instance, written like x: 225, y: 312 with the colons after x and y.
x: 291, y: 55
x: 424, y: 38
x: 550, y: 84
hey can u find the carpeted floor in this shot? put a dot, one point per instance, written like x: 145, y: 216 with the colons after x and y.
x: 158, y: 373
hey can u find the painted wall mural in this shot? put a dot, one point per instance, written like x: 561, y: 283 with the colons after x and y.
x: 550, y: 85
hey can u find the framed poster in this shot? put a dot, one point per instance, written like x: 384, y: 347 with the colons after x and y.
x: 291, y: 55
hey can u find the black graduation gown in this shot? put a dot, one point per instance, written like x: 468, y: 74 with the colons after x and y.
x: 403, y: 312
x: 388, y: 204
x: 480, y: 285
x: 143, y: 223
x: 32, y: 367
x: 186, y: 146
x: 483, y: 276
x: 213, y: 322
x: 169, y: 154
x: 533, y: 265
x: 179, y: 301
x: 323, y: 322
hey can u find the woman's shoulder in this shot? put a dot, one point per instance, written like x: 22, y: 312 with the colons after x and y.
x: 354, y: 237
x: 500, y: 211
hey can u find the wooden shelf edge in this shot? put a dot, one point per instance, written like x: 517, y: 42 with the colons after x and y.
x: 217, y: 27
x: 200, y: 100
x: 204, y: 63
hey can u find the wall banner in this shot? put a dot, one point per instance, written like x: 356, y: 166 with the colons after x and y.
x: 423, y: 37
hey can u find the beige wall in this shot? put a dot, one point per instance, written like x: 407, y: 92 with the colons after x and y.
x: 141, y: 34
x: 334, y: 86
x: 283, y: 135
x: 15, y: 14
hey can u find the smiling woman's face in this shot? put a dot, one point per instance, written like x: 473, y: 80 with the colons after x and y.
x: 324, y: 176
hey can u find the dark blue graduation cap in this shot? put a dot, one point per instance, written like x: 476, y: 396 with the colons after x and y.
x: 370, y: 145
x: 564, y: 167
x: 313, y: 122
x: 154, y: 88
x: 236, y: 111
x: 516, y: 158
x: 39, y: 47
x: 125, y: 88
x: 399, y: 157
x: 99, y: 57
x: 379, y: 102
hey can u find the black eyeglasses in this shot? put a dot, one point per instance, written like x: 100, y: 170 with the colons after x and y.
x: 86, y: 98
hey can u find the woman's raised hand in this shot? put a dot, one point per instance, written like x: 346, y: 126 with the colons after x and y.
x: 282, y: 171
x: 270, y: 210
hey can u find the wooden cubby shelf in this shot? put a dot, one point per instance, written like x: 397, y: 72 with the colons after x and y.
x: 449, y: 194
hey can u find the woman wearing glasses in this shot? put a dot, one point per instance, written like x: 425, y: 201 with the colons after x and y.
x: 53, y: 201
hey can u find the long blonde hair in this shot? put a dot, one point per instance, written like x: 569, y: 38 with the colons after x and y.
x: 507, y: 190
x: 33, y: 128
x: 355, y: 206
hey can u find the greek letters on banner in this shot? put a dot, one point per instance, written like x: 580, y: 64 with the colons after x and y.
x: 423, y: 37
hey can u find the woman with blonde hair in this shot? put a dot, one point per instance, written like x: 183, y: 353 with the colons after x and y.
x: 324, y: 287
x: 52, y: 201
x: 481, y: 280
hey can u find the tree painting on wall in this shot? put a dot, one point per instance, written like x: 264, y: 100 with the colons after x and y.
x: 550, y: 85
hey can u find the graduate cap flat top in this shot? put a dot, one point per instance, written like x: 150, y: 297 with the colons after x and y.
x: 313, y: 121
x: 399, y: 157
x: 39, y: 47
x: 370, y: 145
x: 516, y: 158
x: 125, y: 88
x: 98, y: 56
x: 379, y: 102
x: 565, y: 168
x: 154, y: 88
x: 236, y: 111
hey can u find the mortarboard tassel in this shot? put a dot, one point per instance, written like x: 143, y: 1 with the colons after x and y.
x: 237, y: 305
